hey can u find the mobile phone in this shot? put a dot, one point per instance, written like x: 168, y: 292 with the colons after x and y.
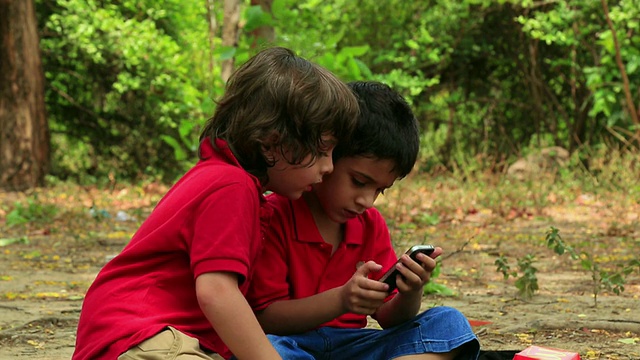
x: 390, y: 276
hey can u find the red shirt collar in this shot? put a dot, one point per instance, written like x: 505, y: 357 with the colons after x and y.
x: 307, y: 231
x: 207, y: 151
x: 224, y: 153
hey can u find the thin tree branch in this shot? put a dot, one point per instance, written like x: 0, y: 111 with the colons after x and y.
x: 625, y: 79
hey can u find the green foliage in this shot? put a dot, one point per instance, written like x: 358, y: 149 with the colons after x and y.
x: 486, y: 77
x: 502, y: 264
x: 129, y: 82
x: 10, y: 241
x: 602, y: 278
x: 608, y: 279
x: 123, y: 76
x: 527, y: 281
x: 429, y: 219
x: 434, y: 288
x: 33, y: 211
x: 303, y: 26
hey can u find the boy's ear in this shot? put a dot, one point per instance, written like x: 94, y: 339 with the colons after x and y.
x: 270, y: 146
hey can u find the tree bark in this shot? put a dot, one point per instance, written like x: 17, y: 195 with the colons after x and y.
x: 264, y: 34
x: 230, y: 33
x: 633, y: 112
x: 24, y: 132
x: 213, y: 29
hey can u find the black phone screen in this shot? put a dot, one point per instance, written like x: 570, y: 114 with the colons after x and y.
x: 390, y: 276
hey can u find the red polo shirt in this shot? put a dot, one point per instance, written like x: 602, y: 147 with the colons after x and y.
x: 297, y: 263
x: 209, y: 221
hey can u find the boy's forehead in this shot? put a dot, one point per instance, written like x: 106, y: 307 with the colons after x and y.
x: 380, y: 171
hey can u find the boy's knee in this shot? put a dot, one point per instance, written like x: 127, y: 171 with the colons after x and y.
x: 444, y: 316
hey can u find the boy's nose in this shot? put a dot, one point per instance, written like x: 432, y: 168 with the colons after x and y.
x: 326, y: 165
x: 366, y: 200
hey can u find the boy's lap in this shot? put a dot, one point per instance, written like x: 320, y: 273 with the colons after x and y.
x: 169, y: 344
x: 419, y: 336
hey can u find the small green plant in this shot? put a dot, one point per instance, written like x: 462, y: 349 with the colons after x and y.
x: 503, y: 267
x: 602, y: 278
x: 429, y: 219
x: 16, y: 240
x: 527, y: 283
x: 436, y: 288
x: 555, y: 243
x: 33, y: 211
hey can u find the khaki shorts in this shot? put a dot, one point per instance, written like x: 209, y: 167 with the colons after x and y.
x: 169, y: 344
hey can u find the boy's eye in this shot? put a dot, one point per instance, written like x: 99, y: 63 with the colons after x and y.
x: 357, y: 183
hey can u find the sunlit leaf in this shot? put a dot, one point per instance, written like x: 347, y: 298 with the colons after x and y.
x: 9, y: 241
x: 629, y: 340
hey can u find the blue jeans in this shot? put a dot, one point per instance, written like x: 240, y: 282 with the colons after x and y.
x: 437, y: 330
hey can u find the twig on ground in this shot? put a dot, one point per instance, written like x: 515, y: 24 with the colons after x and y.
x: 459, y: 250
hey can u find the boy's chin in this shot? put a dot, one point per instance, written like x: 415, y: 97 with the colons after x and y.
x: 340, y: 219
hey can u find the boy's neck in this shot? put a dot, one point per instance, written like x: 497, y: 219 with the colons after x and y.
x: 331, y: 231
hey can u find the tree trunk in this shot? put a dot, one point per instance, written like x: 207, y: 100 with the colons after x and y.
x: 264, y: 34
x: 213, y: 29
x: 230, y: 33
x: 631, y: 107
x: 24, y: 132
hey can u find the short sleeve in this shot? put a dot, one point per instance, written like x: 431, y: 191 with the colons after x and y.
x: 269, y: 282
x: 226, y: 230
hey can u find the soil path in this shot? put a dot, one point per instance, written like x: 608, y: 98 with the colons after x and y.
x: 46, y: 267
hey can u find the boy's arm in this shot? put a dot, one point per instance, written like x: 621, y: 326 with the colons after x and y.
x: 406, y: 304
x: 359, y: 295
x: 231, y: 316
x: 402, y: 308
x: 295, y: 316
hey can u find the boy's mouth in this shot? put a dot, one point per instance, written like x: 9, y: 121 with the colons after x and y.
x: 350, y: 214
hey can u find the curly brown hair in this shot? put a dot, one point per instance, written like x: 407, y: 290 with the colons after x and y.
x: 278, y: 100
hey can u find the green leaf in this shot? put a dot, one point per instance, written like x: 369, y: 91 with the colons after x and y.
x: 632, y: 65
x: 630, y: 341
x: 434, y: 288
x: 179, y: 153
x: 15, y: 218
x: 364, y: 69
x: 9, y: 241
x: 256, y: 18
x: 279, y: 9
x: 226, y: 52
x: 412, y: 44
x: 354, y: 51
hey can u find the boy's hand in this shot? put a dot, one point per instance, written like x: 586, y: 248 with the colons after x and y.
x: 361, y: 295
x: 415, y: 274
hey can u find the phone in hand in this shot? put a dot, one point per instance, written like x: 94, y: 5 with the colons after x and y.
x: 390, y: 276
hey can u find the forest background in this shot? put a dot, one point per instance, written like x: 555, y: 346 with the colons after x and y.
x: 529, y: 163
x: 128, y: 84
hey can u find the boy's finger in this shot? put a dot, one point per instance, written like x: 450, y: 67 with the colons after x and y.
x: 375, y: 286
x: 368, y: 267
x: 420, y: 270
x: 424, y: 261
x: 436, y: 252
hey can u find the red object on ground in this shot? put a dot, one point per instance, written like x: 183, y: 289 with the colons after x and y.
x: 478, y: 322
x: 542, y: 353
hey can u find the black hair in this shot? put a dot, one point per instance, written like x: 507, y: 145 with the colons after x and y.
x: 386, y: 128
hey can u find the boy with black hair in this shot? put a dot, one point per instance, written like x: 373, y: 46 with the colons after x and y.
x: 316, y: 280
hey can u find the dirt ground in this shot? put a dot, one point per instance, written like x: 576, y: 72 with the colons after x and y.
x: 46, y: 267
